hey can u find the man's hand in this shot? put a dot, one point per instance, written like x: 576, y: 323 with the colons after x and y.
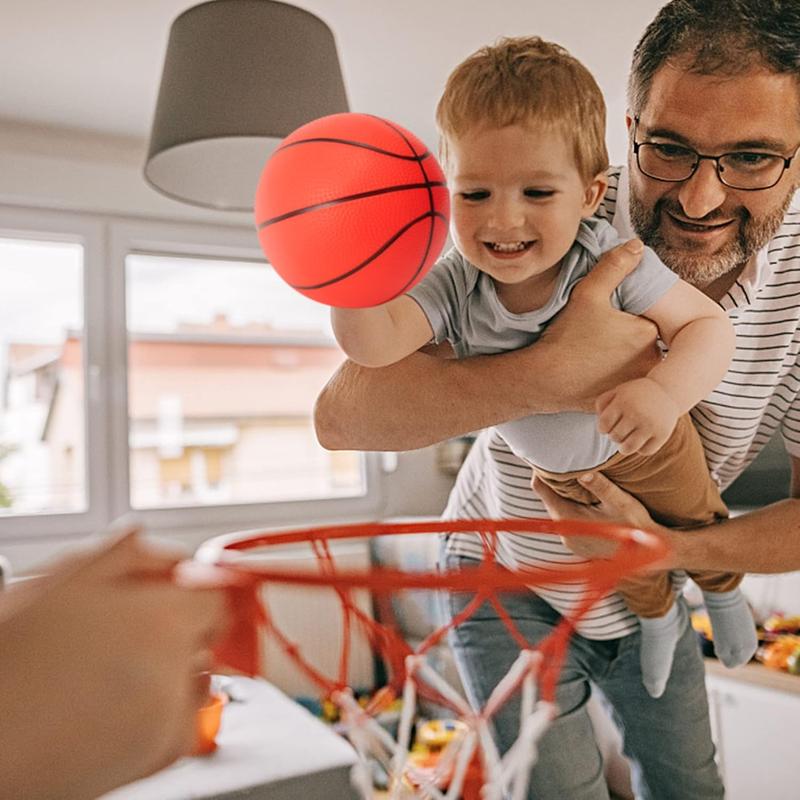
x: 595, y: 346
x: 638, y: 415
x: 614, y: 505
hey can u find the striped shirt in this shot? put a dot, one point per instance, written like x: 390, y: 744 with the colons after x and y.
x: 758, y: 395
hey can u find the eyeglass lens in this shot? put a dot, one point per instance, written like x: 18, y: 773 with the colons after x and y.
x: 738, y: 170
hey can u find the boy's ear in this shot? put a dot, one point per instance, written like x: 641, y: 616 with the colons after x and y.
x: 594, y: 193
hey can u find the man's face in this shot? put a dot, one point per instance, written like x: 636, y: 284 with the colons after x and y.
x: 699, y: 227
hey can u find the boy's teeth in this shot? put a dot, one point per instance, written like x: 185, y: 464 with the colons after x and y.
x: 508, y: 247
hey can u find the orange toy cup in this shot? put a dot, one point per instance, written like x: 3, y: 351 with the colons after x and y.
x: 207, y: 724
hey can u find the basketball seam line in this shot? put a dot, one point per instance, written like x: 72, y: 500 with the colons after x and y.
x: 403, y: 187
x: 352, y: 143
x: 431, y: 207
x: 374, y: 255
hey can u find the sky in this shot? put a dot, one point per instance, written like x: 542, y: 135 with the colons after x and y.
x: 42, y: 293
x: 41, y: 290
x: 163, y: 291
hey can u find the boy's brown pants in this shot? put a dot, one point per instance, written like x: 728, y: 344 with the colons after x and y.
x: 675, y: 487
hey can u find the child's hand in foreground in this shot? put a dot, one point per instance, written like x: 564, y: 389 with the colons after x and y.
x: 104, y: 652
x: 638, y: 415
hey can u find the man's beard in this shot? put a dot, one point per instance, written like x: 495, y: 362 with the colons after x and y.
x: 701, y: 269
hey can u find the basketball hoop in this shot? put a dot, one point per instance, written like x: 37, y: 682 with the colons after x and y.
x: 534, y: 674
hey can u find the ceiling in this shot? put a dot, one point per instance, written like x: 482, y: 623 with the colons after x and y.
x: 95, y: 64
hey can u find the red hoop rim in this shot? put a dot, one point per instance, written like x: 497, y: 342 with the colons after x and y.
x: 638, y: 549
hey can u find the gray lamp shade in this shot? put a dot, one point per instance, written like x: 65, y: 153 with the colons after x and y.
x: 239, y: 76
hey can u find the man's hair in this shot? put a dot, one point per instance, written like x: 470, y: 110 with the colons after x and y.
x: 717, y: 37
x: 526, y: 80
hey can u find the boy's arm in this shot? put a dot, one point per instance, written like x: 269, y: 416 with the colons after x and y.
x: 640, y: 415
x: 701, y: 344
x: 382, y: 335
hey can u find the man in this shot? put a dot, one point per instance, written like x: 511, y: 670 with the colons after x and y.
x: 714, y: 125
x: 368, y: 409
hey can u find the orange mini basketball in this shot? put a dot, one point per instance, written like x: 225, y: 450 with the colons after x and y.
x: 352, y: 210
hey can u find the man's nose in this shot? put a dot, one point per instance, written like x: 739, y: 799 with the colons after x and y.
x: 703, y: 192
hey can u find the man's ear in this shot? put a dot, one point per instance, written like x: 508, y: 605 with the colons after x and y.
x: 594, y: 193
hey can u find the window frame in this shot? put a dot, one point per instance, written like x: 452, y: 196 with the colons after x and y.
x: 107, y: 241
x: 56, y: 226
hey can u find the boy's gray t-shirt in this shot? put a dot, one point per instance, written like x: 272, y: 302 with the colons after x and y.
x: 462, y: 307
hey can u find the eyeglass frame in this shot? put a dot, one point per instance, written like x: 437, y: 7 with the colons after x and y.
x: 716, y: 159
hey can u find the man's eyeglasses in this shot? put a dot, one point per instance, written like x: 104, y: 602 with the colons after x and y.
x: 742, y: 170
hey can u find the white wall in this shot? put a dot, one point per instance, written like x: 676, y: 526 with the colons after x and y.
x: 74, y: 170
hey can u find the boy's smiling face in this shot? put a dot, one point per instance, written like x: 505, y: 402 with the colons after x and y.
x: 517, y: 200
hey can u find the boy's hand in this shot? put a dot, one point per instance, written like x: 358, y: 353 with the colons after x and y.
x: 638, y: 415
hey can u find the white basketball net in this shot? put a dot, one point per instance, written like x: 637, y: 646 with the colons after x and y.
x: 505, y: 776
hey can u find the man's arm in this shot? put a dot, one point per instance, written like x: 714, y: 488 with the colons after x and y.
x: 589, y: 348
x: 765, y: 541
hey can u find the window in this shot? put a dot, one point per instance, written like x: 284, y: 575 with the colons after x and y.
x: 162, y: 369
x: 42, y: 387
x: 224, y: 363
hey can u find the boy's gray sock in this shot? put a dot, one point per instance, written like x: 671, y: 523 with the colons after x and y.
x: 735, y: 640
x: 659, y: 637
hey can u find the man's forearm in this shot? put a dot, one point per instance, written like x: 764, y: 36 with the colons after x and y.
x: 588, y: 349
x: 425, y: 399
x: 765, y: 541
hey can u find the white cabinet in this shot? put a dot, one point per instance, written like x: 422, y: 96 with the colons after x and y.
x: 755, y: 716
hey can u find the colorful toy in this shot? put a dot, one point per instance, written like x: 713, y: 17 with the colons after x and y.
x: 352, y: 210
x: 427, y: 758
x: 436, y: 734
x: 208, y: 719
x: 778, y: 623
x: 776, y: 654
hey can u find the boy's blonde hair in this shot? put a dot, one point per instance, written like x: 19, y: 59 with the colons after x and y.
x: 527, y: 80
